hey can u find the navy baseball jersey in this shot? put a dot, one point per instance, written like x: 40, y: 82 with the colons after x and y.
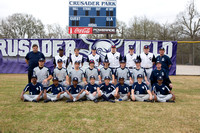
x: 165, y: 61
x: 140, y: 88
x: 123, y: 89
x: 107, y: 88
x: 160, y: 89
x: 74, y: 90
x: 55, y: 89
x: 33, y: 89
x: 91, y: 88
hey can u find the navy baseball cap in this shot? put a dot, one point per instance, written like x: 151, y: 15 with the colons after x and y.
x: 34, y: 76
x: 107, y: 77
x: 113, y: 46
x: 106, y: 61
x: 94, y: 48
x: 75, y: 79
x: 77, y: 62
x: 137, y: 61
x: 59, y: 60
x: 41, y: 59
x: 158, y: 62
x: 55, y: 78
x: 121, y: 77
x: 91, y: 61
x: 122, y: 61
x: 92, y: 77
x: 131, y: 47
x: 146, y: 46
x: 160, y: 78
x: 139, y: 76
x: 162, y: 48
x: 60, y: 49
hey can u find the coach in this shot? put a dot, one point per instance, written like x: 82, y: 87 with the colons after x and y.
x: 32, y: 59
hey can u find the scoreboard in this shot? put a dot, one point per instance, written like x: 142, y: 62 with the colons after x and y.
x: 97, y: 16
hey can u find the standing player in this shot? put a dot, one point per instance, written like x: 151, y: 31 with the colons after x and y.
x: 113, y: 57
x: 62, y: 57
x: 35, y: 91
x: 122, y: 90
x: 108, y: 90
x: 106, y: 71
x: 78, y: 73
x: 57, y: 91
x: 130, y: 59
x: 147, y: 61
x: 92, y: 71
x: 94, y: 56
x: 61, y: 73
x: 164, y: 59
x: 122, y: 71
x: 74, y: 92
x: 160, y: 72
x: 138, y: 70
x: 32, y: 59
x: 92, y: 90
x: 43, y: 73
x: 161, y: 92
x: 140, y: 91
x: 76, y: 57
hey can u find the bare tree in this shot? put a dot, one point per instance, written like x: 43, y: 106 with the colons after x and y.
x: 21, y: 26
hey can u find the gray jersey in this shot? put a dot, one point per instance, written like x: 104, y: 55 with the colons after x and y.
x: 106, y: 72
x: 60, y: 74
x: 92, y: 72
x: 76, y: 73
x: 42, y: 74
x: 122, y: 73
x: 136, y: 72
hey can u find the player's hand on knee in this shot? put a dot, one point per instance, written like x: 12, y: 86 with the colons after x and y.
x: 22, y: 97
x: 94, y: 94
x: 173, y: 97
x: 44, y: 81
x: 150, y: 97
x: 147, y: 83
x: 170, y: 85
x: 38, y: 98
x: 133, y: 98
x: 113, y: 81
x: 100, y: 82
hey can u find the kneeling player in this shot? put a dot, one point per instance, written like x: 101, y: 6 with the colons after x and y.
x: 108, y: 90
x: 161, y: 92
x: 56, y: 90
x: 92, y: 90
x: 140, y: 91
x: 74, y: 92
x: 35, y: 91
x: 122, y: 90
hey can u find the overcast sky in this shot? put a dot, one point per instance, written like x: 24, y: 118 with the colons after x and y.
x: 56, y: 11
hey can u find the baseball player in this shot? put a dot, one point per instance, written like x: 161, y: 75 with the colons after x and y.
x: 138, y: 70
x: 74, y: 92
x: 43, y: 73
x: 61, y: 73
x: 130, y: 59
x: 108, y: 90
x: 56, y: 89
x: 122, y: 71
x: 35, y: 91
x: 62, y: 57
x: 122, y: 90
x: 92, y: 71
x: 92, y: 90
x: 77, y: 72
x: 94, y: 56
x: 164, y: 59
x: 107, y: 71
x: 113, y: 57
x: 161, y: 92
x: 76, y: 57
x: 147, y: 61
x: 140, y: 91
x: 160, y: 72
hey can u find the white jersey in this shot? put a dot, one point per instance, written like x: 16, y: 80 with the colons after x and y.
x: 96, y: 59
x: 114, y: 59
x: 76, y: 58
x: 63, y: 58
x: 147, y: 60
x: 130, y: 60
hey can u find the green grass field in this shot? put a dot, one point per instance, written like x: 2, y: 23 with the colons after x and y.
x: 18, y: 116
